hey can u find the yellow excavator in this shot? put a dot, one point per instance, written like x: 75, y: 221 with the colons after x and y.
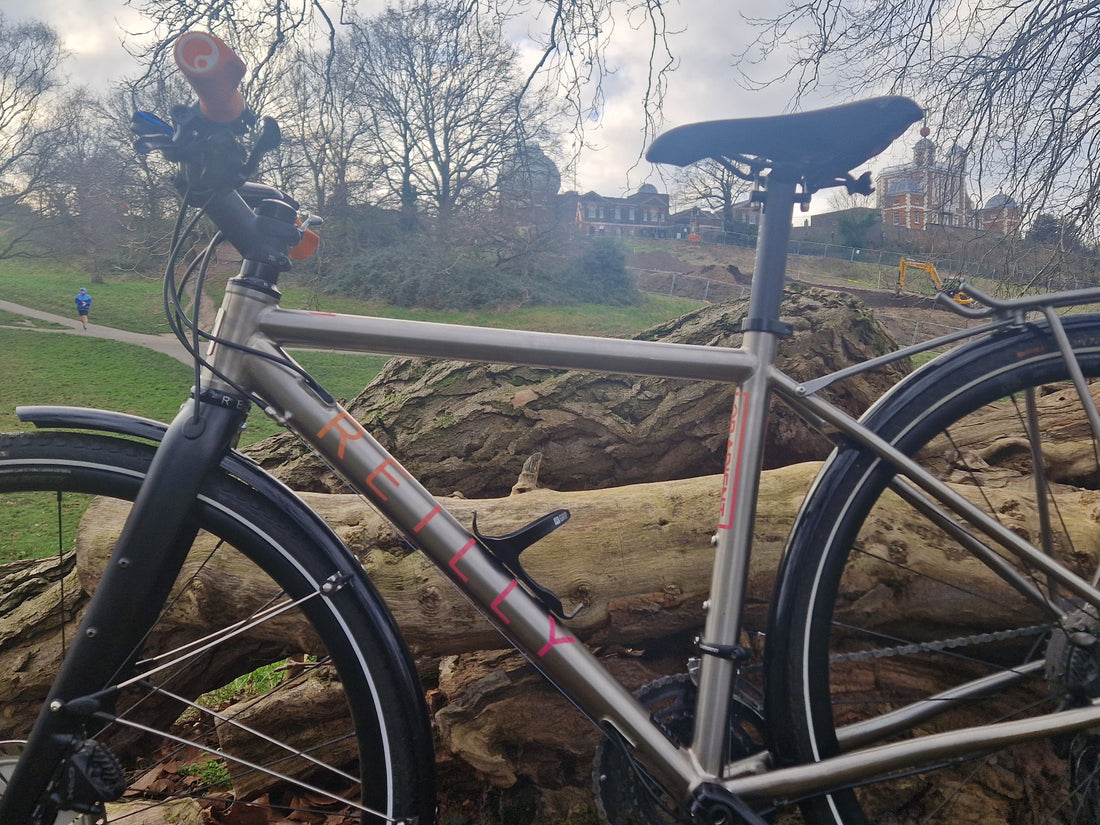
x: 930, y: 268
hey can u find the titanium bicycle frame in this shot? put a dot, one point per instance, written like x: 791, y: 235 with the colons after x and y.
x: 251, y: 317
x: 523, y: 620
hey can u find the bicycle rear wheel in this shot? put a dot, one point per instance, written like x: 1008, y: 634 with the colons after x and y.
x: 880, y: 606
x: 293, y: 698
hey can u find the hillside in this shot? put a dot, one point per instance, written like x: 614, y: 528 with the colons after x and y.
x: 714, y: 272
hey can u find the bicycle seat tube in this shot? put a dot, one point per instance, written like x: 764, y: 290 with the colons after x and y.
x: 744, y: 456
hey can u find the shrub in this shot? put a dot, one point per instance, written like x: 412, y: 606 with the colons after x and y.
x: 416, y: 271
x: 606, y: 280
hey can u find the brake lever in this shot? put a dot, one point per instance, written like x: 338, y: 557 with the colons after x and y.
x: 154, y: 133
x: 267, y: 141
x: 255, y: 193
x: 149, y: 125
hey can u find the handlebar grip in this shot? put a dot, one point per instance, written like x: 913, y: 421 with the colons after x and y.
x: 214, y: 72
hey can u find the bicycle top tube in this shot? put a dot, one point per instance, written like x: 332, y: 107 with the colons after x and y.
x: 817, y: 148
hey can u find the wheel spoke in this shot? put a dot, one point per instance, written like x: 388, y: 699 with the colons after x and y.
x: 935, y: 627
x: 284, y: 696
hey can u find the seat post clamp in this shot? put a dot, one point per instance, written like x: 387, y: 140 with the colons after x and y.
x: 780, y: 328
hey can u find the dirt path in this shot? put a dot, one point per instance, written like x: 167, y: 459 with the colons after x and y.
x: 909, y: 316
x: 166, y: 344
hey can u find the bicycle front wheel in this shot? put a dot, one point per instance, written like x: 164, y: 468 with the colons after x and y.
x: 883, y: 606
x: 272, y: 687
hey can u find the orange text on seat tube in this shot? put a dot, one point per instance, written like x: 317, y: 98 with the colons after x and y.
x: 733, y: 461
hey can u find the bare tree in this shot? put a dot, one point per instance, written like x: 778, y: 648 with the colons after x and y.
x: 85, y: 196
x: 1014, y: 83
x: 30, y: 55
x: 571, y: 35
x: 712, y: 186
x: 149, y: 194
x: 840, y: 199
x: 444, y: 96
x: 327, y: 129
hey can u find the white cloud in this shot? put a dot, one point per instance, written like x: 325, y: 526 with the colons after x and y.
x: 92, y: 31
x: 703, y: 86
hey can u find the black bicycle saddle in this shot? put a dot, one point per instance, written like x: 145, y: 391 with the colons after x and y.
x: 819, y: 147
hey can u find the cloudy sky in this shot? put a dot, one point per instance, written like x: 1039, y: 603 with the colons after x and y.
x: 703, y: 87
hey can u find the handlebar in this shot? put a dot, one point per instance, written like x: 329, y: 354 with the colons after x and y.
x: 214, y: 71
x: 206, y: 141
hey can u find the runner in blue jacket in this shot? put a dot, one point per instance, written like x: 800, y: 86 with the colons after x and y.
x: 83, y: 304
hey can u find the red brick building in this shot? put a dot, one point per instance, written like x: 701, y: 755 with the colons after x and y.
x: 1000, y: 214
x: 641, y: 215
x: 930, y: 191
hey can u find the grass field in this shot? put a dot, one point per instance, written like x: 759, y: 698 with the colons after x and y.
x: 50, y: 284
x: 40, y: 368
x: 45, y: 368
x: 134, y: 303
x: 39, y: 364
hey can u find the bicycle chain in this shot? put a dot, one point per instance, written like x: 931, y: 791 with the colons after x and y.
x: 923, y: 647
x: 941, y: 645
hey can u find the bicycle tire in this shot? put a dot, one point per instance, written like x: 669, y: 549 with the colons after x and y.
x: 867, y: 576
x: 364, y: 754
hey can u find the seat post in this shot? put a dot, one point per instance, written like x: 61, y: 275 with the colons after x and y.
x: 770, y: 271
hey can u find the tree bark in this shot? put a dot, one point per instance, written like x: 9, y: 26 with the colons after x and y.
x: 643, y: 570
x: 642, y: 577
x: 979, y: 441
x: 635, y: 559
x: 41, y: 600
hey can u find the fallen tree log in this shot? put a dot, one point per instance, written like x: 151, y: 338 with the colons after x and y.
x: 641, y: 576
x: 979, y: 441
x: 637, y: 558
x: 33, y: 631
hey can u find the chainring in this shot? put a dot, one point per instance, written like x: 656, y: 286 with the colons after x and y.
x: 625, y: 795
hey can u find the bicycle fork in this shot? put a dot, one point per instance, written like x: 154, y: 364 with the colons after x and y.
x: 60, y: 769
